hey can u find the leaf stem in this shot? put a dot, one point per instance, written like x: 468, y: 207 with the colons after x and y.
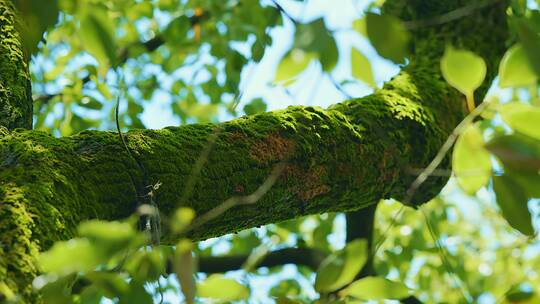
x: 470, y: 102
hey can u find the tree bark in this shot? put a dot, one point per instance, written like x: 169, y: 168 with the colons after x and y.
x: 15, y: 90
x: 339, y: 159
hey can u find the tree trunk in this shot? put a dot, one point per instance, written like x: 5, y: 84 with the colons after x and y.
x: 338, y: 159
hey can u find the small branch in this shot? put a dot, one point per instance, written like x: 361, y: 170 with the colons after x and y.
x: 238, y: 200
x: 284, y: 12
x: 308, y: 257
x: 442, y: 152
x: 450, y: 16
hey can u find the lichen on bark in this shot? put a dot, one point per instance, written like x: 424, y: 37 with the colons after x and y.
x: 338, y: 159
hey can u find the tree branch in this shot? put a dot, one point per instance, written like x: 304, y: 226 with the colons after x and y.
x: 308, y: 257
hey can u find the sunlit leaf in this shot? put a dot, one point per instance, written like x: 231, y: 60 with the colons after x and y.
x: 181, y: 219
x: 293, y: 64
x: 341, y: 267
x: 522, y: 118
x: 185, y: 268
x: 530, y: 41
x: 471, y: 161
x: 70, y: 256
x: 463, y: 70
x: 360, y: 26
x: 361, y: 68
x: 219, y: 287
x: 376, y: 288
x: 513, y: 204
x: 388, y: 35
x: 515, y: 68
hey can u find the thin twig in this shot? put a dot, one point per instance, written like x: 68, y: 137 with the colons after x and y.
x: 442, y: 152
x: 450, y: 16
x: 238, y: 200
x: 446, y: 262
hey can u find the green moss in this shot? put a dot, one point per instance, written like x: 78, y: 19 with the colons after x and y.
x: 15, y: 90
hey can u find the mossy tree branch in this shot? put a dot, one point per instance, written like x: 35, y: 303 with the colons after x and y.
x: 339, y: 159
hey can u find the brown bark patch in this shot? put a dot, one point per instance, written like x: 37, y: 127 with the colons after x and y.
x: 306, y: 184
x: 272, y: 148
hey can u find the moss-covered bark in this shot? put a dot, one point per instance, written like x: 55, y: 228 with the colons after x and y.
x: 342, y: 158
x: 15, y: 92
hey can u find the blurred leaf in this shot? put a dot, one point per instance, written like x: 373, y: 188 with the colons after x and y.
x: 388, y: 35
x: 360, y: 26
x: 145, y: 265
x: 219, y: 287
x: 70, y: 256
x: 112, y: 284
x: 91, y: 295
x: 97, y: 36
x: 37, y: 17
x: 522, y: 118
x: 91, y: 103
x: 341, y: 267
x: 515, y: 68
x: 293, y: 64
x: 185, y: 268
x: 256, y: 106
x: 463, y: 70
x: 361, y: 68
x: 286, y: 288
x: 471, y: 161
x: 530, y: 41
x: 315, y: 38
x: 516, y: 152
x: 513, y: 204
x: 136, y: 294
x: 114, y: 233
x: 181, y: 219
x: 376, y: 288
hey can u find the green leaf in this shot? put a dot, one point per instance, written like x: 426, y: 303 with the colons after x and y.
x: 71, y: 256
x: 361, y: 68
x: 145, y: 265
x: 376, y: 288
x: 471, y: 161
x: 181, y: 219
x: 522, y: 118
x: 513, y: 204
x: 341, y: 267
x: 315, y: 38
x: 97, y: 36
x: 530, y: 41
x: 516, y: 152
x: 256, y: 106
x: 515, y: 69
x: 388, y: 35
x: 37, y: 17
x: 218, y: 286
x: 359, y: 25
x: 107, y: 232
x: 91, y: 103
x: 185, y: 268
x: 293, y: 64
x: 463, y: 70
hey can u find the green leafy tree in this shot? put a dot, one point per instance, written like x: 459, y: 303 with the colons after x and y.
x: 93, y: 205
